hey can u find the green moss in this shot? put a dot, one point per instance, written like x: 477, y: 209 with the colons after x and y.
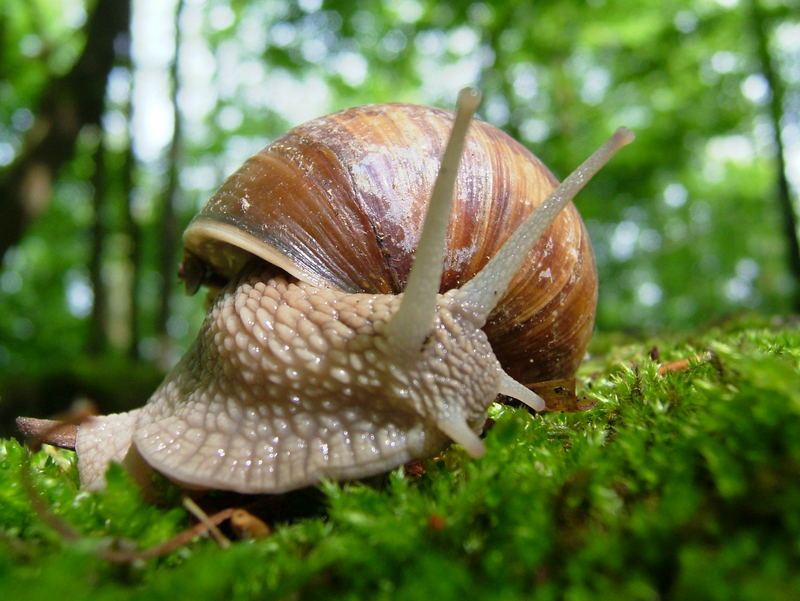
x: 685, y: 485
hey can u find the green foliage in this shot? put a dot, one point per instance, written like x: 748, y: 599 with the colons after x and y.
x: 676, y: 486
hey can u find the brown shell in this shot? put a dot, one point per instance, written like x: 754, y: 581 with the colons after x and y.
x: 339, y: 201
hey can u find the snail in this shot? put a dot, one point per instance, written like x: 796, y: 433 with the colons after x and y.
x: 343, y: 342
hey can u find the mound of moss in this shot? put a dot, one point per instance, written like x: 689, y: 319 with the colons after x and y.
x: 684, y: 485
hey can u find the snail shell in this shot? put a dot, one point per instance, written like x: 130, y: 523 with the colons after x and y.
x: 339, y: 202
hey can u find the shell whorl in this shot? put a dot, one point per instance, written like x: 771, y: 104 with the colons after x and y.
x: 339, y: 201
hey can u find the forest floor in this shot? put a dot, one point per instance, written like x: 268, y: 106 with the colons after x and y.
x: 682, y: 482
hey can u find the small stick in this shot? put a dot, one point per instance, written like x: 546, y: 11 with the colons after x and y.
x: 49, y: 431
x: 201, y: 515
x: 682, y: 364
x: 176, y: 541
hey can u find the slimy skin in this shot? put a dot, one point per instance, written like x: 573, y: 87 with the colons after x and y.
x: 288, y: 384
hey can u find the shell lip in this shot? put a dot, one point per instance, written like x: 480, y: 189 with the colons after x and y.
x: 226, y: 249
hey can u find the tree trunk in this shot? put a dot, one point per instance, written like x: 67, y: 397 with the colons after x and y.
x: 130, y: 227
x: 68, y: 103
x: 168, y: 241
x: 134, y: 240
x: 759, y: 27
x: 98, y: 339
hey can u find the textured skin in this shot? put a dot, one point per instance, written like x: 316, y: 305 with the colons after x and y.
x: 287, y: 384
x: 101, y: 440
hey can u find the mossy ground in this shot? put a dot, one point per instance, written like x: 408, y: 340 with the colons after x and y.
x: 681, y: 486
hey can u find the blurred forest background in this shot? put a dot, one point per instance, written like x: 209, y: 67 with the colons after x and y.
x: 118, y: 118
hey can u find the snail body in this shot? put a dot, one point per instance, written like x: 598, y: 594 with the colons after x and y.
x: 299, y: 377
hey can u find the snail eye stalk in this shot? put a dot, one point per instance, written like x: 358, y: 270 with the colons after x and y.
x: 413, y: 321
x: 484, y: 290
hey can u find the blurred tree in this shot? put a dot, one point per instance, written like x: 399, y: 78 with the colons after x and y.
x: 169, y: 230
x: 130, y: 226
x: 67, y: 104
x: 761, y: 32
x: 98, y: 338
